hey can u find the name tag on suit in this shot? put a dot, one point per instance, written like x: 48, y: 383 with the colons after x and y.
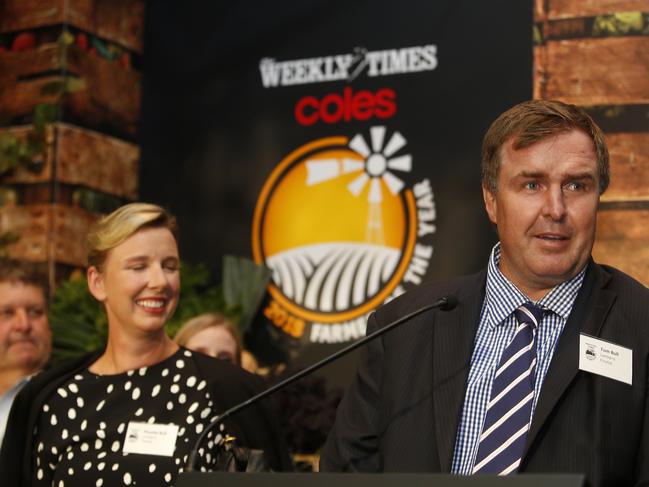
x: 605, y: 358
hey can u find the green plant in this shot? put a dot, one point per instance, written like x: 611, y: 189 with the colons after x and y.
x: 78, y: 322
x: 27, y: 151
x: 244, y: 287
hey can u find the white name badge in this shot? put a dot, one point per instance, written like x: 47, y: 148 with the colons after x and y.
x: 150, y: 439
x: 605, y: 358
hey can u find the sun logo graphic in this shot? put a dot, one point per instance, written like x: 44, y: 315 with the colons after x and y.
x: 336, y: 222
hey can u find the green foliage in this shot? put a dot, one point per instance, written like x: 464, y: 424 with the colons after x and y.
x: 244, y: 287
x: 78, y: 321
x: 621, y: 24
x: 197, y: 297
x: 27, y: 151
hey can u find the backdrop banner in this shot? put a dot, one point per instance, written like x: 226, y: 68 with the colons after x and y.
x: 337, y: 143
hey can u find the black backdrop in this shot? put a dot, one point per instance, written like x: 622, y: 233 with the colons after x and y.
x: 212, y: 133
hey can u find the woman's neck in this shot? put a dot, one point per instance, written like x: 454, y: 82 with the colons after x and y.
x: 122, y: 355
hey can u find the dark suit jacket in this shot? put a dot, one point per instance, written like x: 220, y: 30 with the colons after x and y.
x: 402, y: 412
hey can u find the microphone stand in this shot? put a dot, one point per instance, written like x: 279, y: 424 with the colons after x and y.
x: 446, y: 303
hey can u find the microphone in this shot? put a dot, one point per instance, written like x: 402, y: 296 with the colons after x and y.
x: 446, y: 303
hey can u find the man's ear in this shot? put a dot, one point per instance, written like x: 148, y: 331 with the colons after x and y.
x: 490, y: 205
x: 96, y: 283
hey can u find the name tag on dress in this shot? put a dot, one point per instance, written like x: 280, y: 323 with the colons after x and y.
x: 150, y: 439
x: 605, y: 358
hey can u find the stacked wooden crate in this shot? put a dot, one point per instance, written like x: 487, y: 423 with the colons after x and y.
x: 596, y: 54
x: 76, y: 60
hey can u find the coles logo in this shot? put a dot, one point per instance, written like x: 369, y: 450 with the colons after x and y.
x: 343, y: 231
x: 334, y: 107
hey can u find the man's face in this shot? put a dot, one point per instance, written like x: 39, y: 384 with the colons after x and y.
x: 545, y: 210
x: 25, y: 337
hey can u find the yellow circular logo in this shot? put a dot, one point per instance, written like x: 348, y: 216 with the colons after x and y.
x: 336, y: 223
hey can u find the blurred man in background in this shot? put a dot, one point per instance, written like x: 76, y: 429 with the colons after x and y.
x: 25, y: 337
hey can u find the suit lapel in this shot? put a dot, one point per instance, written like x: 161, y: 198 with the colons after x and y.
x: 587, y: 316
x: 453, y: 336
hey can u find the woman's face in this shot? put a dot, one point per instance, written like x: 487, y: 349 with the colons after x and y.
x: 215, y: 341
x: 140, y: 282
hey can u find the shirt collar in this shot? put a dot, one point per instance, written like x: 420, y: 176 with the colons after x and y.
x: 502, y: 297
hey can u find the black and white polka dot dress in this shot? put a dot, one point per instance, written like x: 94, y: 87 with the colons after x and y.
x: 82, y: 426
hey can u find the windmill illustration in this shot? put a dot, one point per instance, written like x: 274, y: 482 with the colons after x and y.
x: 375, y: 168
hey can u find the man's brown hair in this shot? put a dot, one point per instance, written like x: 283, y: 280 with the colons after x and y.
x: 532, y: 121
x: 27, y: 273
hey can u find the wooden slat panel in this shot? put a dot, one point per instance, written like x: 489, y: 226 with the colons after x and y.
x: 623, y: 241
x: 595, y: 71
x: 112, y: 95
x: 87, y: 158
x: 67, y: 226
x: 70, y: 227
x: 13, y: 65
x: 121, y: 21
x: 32, y: 224
x: 110, y: 99
x: 581, y: 8
x: 100, y: 162
x: 629, y: 154
x: 19, y: 99
x: 540, y: 69
x: 26, y: 14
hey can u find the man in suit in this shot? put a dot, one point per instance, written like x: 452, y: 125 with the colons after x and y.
x: 543, y: 364
x: 25, y: 337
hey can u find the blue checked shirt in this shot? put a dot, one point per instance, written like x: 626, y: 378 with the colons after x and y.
x: 495, y: 330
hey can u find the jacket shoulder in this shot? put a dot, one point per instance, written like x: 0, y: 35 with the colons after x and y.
x: 462, y: 288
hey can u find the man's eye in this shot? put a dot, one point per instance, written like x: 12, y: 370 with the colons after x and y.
x: 574, y: 186
x: 531, y: 185
x: 6, y: 313
x: 35, y: 312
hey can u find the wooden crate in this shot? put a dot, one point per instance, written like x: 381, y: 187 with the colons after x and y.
x: 629, y: 155
x: 594, y: 71
x: 86, y: 158
x: 47, y: 232
x: 121, y: 21
x: 623, y: 241
x: 108, y: 98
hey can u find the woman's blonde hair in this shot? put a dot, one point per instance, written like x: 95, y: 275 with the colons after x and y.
x: 204, y: 321
x: 113, y: 229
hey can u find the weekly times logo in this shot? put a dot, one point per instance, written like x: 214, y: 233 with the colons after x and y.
x: 343, y: 231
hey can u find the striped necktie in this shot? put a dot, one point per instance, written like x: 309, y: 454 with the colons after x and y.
x: 509, y: 409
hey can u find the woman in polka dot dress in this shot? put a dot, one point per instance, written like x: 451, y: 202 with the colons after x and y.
x: 131, y: 414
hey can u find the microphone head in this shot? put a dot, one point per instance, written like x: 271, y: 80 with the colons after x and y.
x: 449, y: 302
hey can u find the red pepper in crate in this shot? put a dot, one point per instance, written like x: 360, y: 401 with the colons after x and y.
x: 82, y: 41
x: 124, y: 61
x: 24, y: 42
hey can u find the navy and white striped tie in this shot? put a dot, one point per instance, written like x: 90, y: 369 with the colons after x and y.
x: 508, y: 413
